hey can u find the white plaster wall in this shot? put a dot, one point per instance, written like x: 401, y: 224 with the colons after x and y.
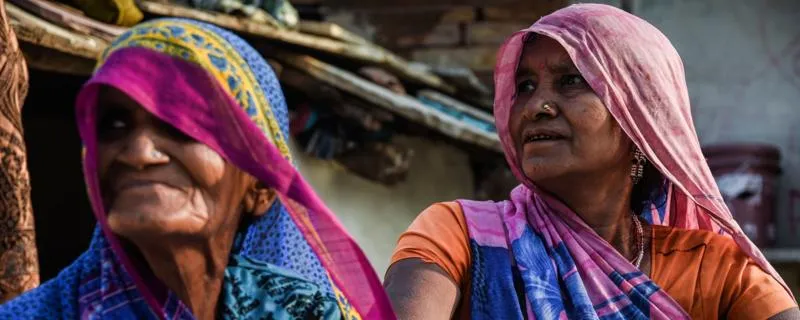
x: 376, y: 214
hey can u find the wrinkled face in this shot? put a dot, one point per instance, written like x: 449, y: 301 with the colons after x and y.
x: 575, y: 134
x: 157, y: 182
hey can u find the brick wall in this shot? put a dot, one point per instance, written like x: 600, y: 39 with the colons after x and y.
x: 440, y: 32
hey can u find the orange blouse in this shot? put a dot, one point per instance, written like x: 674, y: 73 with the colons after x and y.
x: 707, y: 274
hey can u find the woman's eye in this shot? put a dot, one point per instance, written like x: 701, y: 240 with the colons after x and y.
x: 525, y: 86
x: 118, y: 124
x: 112, y: 123
x: 111, y: 128
x: 573, y: 80
x: 175, y: 133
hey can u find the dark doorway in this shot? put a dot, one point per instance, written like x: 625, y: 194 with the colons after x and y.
x: 64, y: 220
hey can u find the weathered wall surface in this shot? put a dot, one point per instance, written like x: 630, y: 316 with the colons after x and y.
x: 376, y: 214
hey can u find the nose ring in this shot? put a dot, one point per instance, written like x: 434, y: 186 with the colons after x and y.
x: 156, y: 154
x: 547, y: 107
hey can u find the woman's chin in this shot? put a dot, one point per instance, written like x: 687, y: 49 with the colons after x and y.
x: 151, y: 227
x: 543, y: 169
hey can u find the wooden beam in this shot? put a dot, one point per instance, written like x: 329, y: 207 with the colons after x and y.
x: 368, y: 54
x: 70, y: 19
x: 249, y: 27
x: 34, y: 30
x: 316, y: 91
x: 457, y: 105
x: 331, y: 30
x: 406, y: 106
x: 470, y: 88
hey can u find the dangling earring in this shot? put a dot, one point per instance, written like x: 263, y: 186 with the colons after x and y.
x: 637, y: 170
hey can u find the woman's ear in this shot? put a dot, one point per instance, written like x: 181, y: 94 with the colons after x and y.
x: 258, y: 199
x: 263, y: 199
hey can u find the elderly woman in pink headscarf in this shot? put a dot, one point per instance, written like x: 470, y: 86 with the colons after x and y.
x: 617, y: 215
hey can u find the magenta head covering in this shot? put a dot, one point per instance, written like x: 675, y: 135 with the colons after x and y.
x: 639, y: 76
x: 214, y: 87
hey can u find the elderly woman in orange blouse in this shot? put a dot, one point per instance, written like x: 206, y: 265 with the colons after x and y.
x: 617, y: 215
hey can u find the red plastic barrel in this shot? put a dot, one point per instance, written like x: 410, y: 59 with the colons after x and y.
x: 747, y: 176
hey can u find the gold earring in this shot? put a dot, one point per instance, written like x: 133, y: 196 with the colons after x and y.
x: 637, y: 170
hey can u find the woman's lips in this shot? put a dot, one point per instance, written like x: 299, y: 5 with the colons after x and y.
x: 543, y: 142
x: 542, y: 138
x: 539, y: 140
x: 138, y: 184
x: 142, y: 185
x: 537, y: 135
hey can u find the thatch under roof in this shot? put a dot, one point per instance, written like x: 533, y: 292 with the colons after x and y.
x: 61, y: 40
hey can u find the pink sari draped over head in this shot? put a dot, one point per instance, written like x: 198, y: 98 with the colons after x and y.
x: 639, y: 76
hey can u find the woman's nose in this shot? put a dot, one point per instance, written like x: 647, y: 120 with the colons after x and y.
x: 141, y: 150
x: 540, y: 106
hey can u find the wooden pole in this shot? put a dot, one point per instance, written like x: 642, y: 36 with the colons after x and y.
x: 19, y: 267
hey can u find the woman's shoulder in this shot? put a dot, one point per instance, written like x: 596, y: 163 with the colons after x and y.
x: 692, y: 247
x: 438, y: 235
x: 700, y: 268
x: 448, y: 212
x: 441, y: 219
x: 669, y: 239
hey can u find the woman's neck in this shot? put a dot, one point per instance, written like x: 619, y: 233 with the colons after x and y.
x: 603, y: 202
x: 193, y: 270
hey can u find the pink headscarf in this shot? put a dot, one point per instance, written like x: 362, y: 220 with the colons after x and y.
x: 638, y: 75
